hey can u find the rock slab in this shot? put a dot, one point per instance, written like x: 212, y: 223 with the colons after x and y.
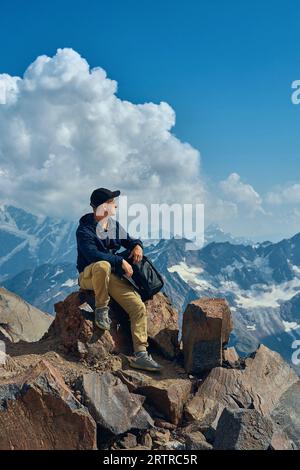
x: 206, y: 328
x: 113, y: 407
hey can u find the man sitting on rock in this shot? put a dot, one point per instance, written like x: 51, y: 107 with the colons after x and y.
x: 100, y: 269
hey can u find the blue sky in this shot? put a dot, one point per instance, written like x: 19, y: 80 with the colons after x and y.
x: 225, y: 67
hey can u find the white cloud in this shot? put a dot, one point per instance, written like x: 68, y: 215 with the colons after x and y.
x: 65, y: 132
x: 242, y: 194
x: 284, y: 195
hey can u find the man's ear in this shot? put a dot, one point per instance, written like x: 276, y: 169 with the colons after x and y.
x: 101, y: 210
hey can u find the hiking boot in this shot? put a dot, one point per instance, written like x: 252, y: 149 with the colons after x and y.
x: 102, y: 319
x: 143, y: 360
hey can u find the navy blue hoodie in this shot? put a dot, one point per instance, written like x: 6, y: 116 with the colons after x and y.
x: 92, y: 248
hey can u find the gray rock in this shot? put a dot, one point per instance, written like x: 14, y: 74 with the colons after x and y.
x: 19, y: 320
x: 281, y: 441
x: 286, y: 414
x: 262, y: 385
x: 113, y: 407
x: 243, y: 430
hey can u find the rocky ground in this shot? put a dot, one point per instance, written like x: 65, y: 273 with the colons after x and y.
x: 74, y: 387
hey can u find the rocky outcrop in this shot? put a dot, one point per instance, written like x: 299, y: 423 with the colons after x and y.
x: 243, y: 430
x: 20, y: 321
x: 39, y: 411
x: 113, y: 407
x: 84, y: 394
x: 74, y: 326
x: 252, y: 387
x: 206, y: 328
x: 262, y: 385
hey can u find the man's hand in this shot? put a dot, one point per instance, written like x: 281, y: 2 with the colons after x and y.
x: 127, y: 268
x: 136, y: 254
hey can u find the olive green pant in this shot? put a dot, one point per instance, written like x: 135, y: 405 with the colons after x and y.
x: 99, y: 278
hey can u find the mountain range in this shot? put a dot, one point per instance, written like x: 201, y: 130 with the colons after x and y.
x: 260, y: 281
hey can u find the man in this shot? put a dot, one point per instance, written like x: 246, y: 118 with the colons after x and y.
x: 102, y: 270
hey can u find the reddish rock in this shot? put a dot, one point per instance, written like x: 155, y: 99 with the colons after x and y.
x: 281, y: 441
x: 146, y: 440
x: 160, y: 423
x: 163, y: 325
x: 206, y: 328
x: 196, y: 441
x: 39, y: 411
x: 160, y: 436
x: 74, y: 327
x: 129, y: 441
x: 262, y: 386
x: 167, y: 395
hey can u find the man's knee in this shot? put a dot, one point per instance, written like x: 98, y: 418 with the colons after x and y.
x: 102, y: 267
x: 138, y: 308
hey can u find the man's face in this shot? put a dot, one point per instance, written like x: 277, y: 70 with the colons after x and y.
x: 106, y: 209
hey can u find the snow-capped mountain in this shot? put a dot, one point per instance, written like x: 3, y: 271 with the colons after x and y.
x: 214, y: 233
x: 44, y: 285
x: 27, y: 241
x: 261, y: 281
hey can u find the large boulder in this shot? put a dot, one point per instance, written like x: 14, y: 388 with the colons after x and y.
x: 74, y: 326
x: 266, y: 384
x: 243, y: 430
x: 206, y: 328
x: 39, y: 411
x: 20, y: 321
x: 113, y: 407
x: 163, y: 325
x: 167, y: 392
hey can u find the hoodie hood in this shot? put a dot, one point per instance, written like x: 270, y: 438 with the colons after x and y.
x: 88, y: 219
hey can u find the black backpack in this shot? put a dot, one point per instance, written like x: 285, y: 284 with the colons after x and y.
x: 145, y: 278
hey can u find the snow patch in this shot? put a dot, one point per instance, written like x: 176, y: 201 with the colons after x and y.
x: 58, y: 271
x: 189, y: 275
x: 70, y: 283
x: 290, y: 325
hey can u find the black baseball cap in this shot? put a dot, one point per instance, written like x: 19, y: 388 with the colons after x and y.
x: 101, y: 195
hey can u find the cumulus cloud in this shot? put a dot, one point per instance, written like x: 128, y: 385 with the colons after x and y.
x: 64, y: 132
x: 243, y: 194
